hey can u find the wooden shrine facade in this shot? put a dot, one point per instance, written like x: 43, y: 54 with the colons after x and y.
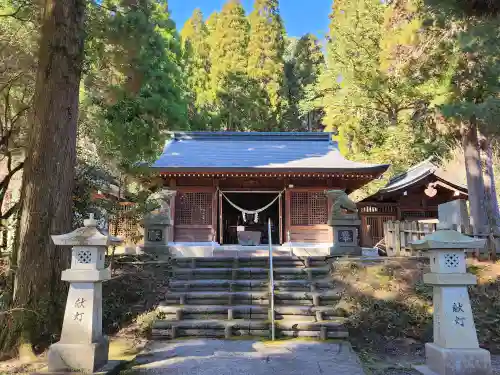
x: 303, y: 206
x: 212, y: 173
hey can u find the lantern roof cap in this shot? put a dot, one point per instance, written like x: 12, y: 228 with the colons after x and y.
x: 88, y: 235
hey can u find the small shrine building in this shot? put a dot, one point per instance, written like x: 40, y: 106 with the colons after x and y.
x: 413, y: 195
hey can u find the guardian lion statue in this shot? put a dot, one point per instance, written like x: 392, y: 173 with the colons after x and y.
x: 163, y: 198
x: 341, y: 203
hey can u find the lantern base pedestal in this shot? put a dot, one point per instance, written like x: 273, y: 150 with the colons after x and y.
x: 83, y: 357
x: 442, y: 361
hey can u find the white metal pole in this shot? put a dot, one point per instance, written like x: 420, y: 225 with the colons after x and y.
x: 271, y: 277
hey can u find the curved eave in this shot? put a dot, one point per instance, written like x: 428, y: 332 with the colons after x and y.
x: 459, y: 187
x: 404, y: 186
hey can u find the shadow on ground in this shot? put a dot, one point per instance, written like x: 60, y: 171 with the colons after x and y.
x: 234, y: 357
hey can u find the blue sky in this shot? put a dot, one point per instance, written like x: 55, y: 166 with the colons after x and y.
x: 300, y: 16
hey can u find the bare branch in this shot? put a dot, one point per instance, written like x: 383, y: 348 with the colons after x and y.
x: 5, y: 182
x: 10, y: 211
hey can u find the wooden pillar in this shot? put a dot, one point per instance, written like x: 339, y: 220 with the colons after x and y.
x: 172, y: 186
x: 221, y: 224
x: 288, y: 226
x: 329, y: 204
x: 216, y: 216
x: 280, y: 214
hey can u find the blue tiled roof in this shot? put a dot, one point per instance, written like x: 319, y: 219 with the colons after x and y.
x: 220, y: 151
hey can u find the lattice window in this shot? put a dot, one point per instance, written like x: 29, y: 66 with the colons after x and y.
x: 380, y: 209
x: 84, y: 256
x: 127, y: 226
x: 299, y: 208
x: 193, y: 208
x: 419, y: 214
x: 451, y: 260
x: 308, y: 208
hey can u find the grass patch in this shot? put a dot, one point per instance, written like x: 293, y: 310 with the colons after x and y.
x: 131, y: 296
x: 389, y: 308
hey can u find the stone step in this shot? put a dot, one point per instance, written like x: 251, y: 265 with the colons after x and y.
x: 172, y: 333
x: 228, y: 328
x: 219, y: 301
x: 320, y: 335
x: 211, y: 323
x: 249, y: 262
x: 254, y: 270
x: 212, y: 284
x: 244, y: 315
x: 225, y: 297
x: 242, y: 276
x: 283, y: 310
x: 289, y: 324
x: 328, y: 294
x: 218, y: 283
x: 250, y: 324
x: 244, y: 258
x: 164, y: 334
x: 211, y: 308
x: 252, y: 264
x: 247, y: 301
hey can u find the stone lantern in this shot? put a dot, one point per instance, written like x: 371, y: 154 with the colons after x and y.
x: 82, y: 345
x: 344, y: 220
x: 455, y: 350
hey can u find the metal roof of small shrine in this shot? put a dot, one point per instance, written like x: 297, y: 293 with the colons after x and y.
x: 259, y: 152
x: 415, y: 175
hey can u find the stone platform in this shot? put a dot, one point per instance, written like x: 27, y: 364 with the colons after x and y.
x: 209, y: 250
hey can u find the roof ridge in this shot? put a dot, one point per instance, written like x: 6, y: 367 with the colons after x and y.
x: 403, y: 174
x: 264, y: 136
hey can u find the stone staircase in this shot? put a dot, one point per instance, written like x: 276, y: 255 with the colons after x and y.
x: 229, y: 296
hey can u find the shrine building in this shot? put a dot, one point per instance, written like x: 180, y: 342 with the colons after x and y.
x: 413, y: 195
x: 229, y: 184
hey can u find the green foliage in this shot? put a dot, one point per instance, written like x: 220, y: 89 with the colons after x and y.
x: 196, y: 62
x: 381, y: 83
x: 472, y: 88
x: 265, y: 59
x: 239, y: 98
x: 133, y: 87
x: 236, y: 74
x: 304, y: 62
x: 228, y: 43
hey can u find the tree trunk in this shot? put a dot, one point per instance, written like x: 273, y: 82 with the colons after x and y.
x: 489, y: 181
x: 475, y: 184
x: 48, y: 180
